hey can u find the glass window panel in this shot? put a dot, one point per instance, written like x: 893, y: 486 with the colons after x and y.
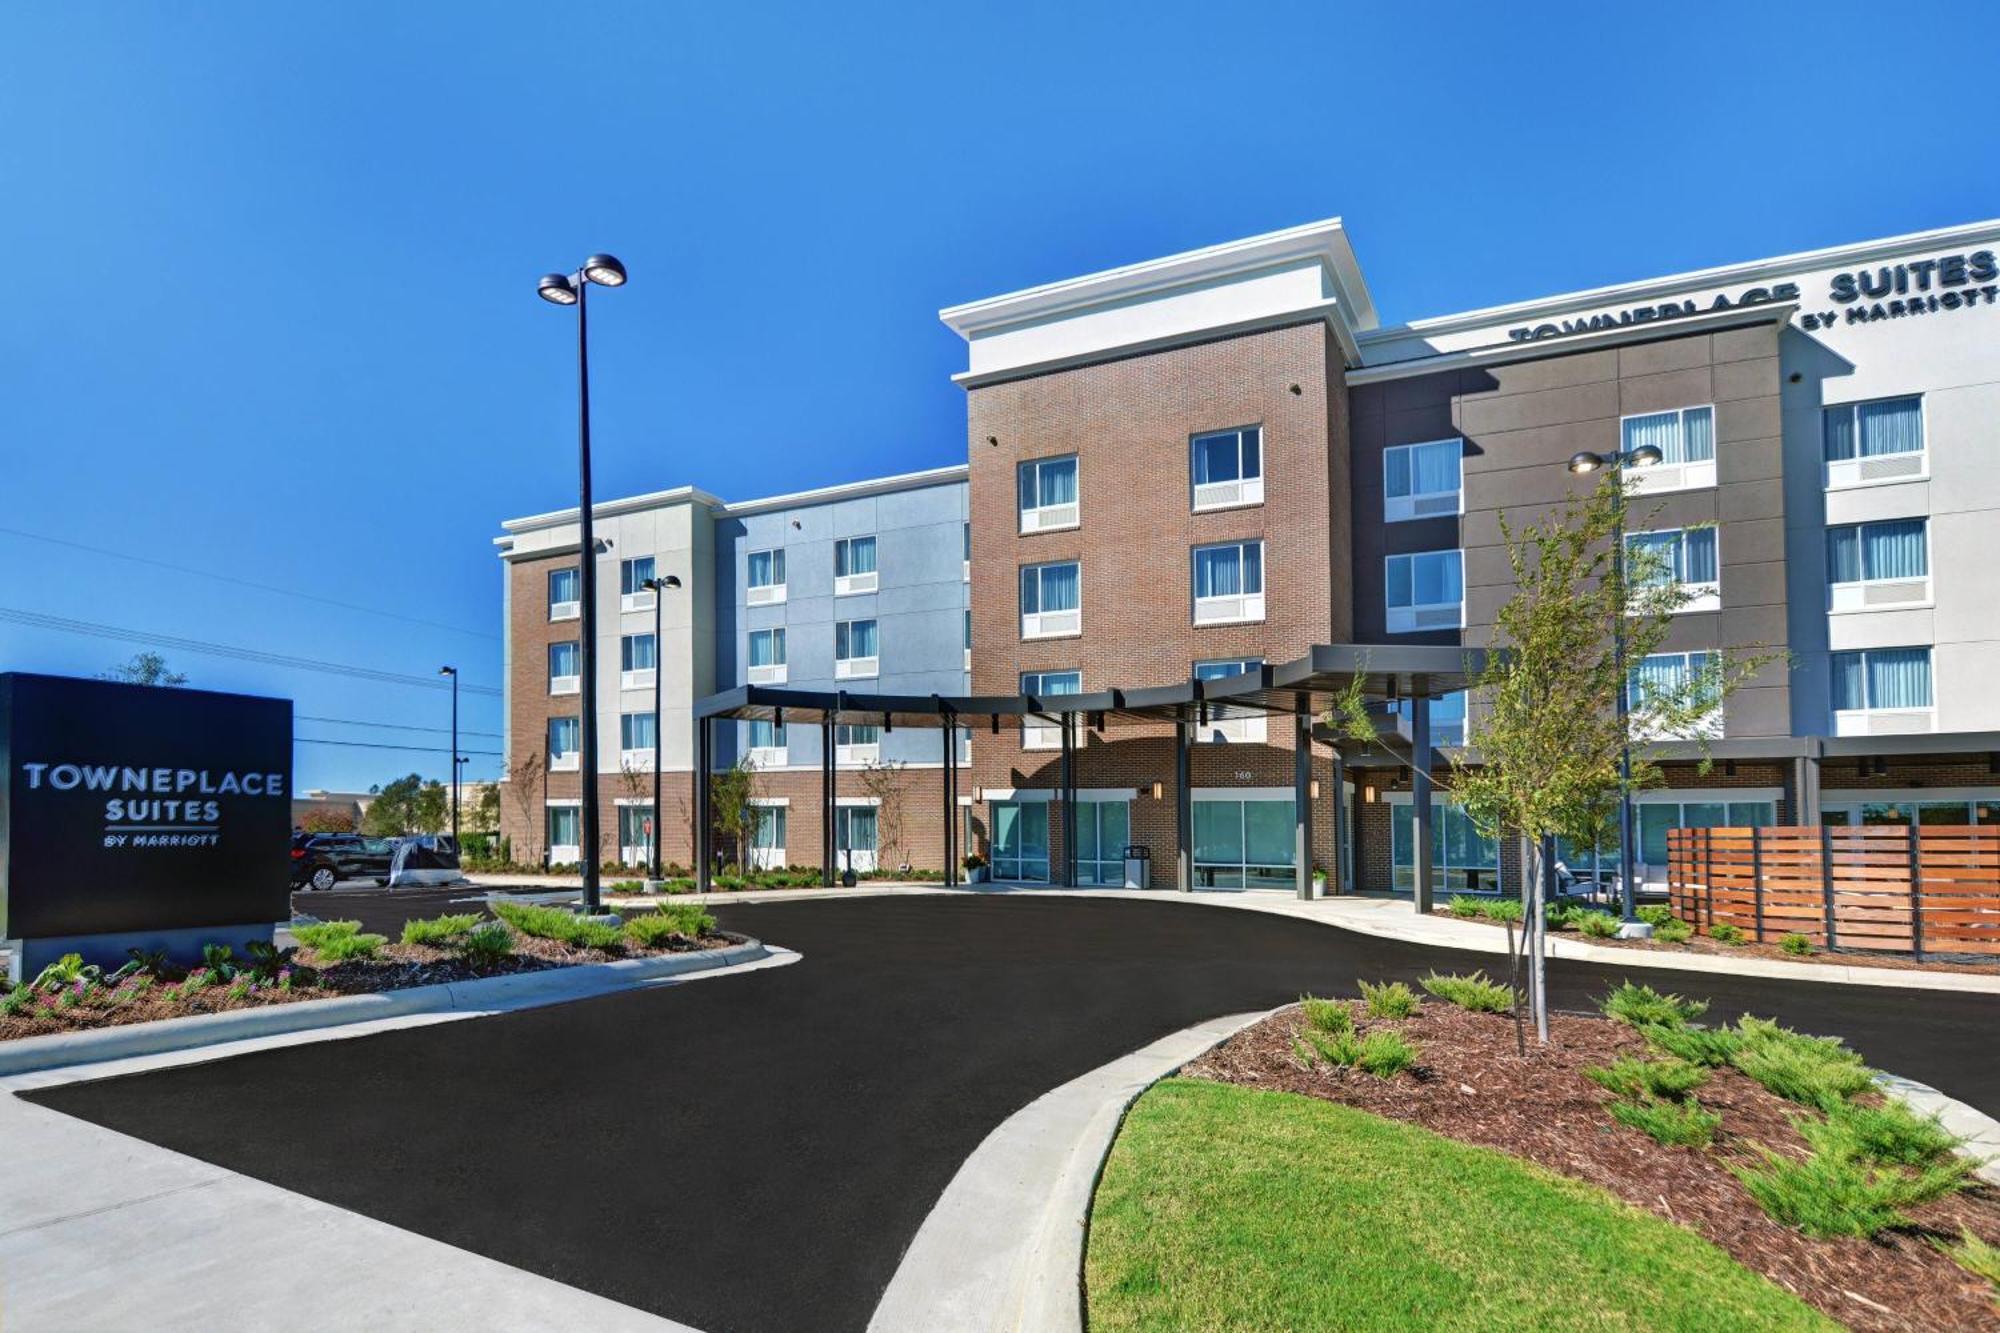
x: 1114, y: 829
x: 1086, y: 832
x: 1396, y: 473
x: 564, y: 822
x: 1942, y: 812
x: 1838, y: 433
x: 1398, y: 577
x: 1253, y: 567
x: 1031, y: 584
x: 1218, y: 832
x: 638, y: 652
x: 1253, y: 452
x: 1698, y: 556
x: 1986, y: 812
x: 1843, y: 555
x: 1655, y: 558
x: 1752, y: 814
x: 1885, y: 812
x: 1849, y: 682
x: 1035, y: 830
x: 1659, y: 429
x: 1268, y: 832
x: 1899, y: 677
x: 1704, y: 814
x: 1216, y: 458
x: 1654, y: 821
x: 634, y: 574
x: 564, y: 585
x: 1697, y: 436
x: 1218, y: 571
x: 565, y: 734
x: 1836, y: 818
x: 1894, y: 550
x: 1434, y: 468
x: 1893, y: 426
x: 1006, y: 829
x: 1060, y: 587
x: 767, y: 568
x: 1058, y: 481
x: 635, y: 731
x: 564, y: 659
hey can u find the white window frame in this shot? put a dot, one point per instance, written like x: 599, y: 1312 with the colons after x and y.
x: 642, y: 598
x: 776, y: 672
x: 1711, y: 723
x: 568, y: 761
x: 968, y: 552
x: 1236, y: 494
x: 856, y: 668
x: 1876, y: 469
x: 639, y: 760
x: 1885, y: 594
x: 968, y: 638
x: 1661, y: 477
x: 1236, y: 608
x: 570, y: 684
x: 849, y: 585
x: 855, y: 753
x: 1040, y: 517
x: 638, y: 678
x: 563, y: 853
x: 765, y: 594
x: 1050, y: 624
x: 766, y: 756
x: 1423, y: 504
x: 1226, y: 725
x: 1419, y: 617
x: 1872, y: 721
x: 772, y: 814
x: 1035, y: 733
x: 566, y: 610
x: 1700, y: 596
x: 635, y: 853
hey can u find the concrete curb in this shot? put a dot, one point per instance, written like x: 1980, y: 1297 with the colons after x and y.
x: 1002, y: 1249
x: 1980, y: 1131
x: 521, y: 990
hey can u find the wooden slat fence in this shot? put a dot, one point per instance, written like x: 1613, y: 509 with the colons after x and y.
x: 1917, y: 889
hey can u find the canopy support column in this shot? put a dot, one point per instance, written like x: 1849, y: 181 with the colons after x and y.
x: 950, y: 740
x: 704, y: 822
x: 1302, y: 837
x: 1422, y: 814
x: 1183, y: 808
x: 826, y: 839
x: 1336, y: 872
x: 1068, y: 794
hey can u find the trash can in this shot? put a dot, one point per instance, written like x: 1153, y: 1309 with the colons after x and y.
x: 1138, y: 866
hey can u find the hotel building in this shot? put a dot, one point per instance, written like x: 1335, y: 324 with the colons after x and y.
x: 1203, y: 466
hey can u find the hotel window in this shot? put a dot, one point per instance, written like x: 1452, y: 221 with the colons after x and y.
x: 1242, y: 843
x: 1102, y: 830
x: 565, y: 743
x: 767, y: 836
x: 636, y: 732
x: 1447, y: 717
x: 1425, y: 590
x: 968, y: 553
x: 1685, y: 438
x: 854, y: 566
x: 1051, y: 600
x: 854, y: 836
x: 767, y: 657
x: 638, y: 661
x: 1226, y: 724
x: 1875, y: 566
x: 565, y: 668
x: 968, y: 638
x: 1676, y: 682
x: 1046, y: 488
x: 1882, y: 691
x: 764, y: 583
x: 1906, y: 808
x: 1422, y: 480
x: 856, y: 745
x: 1045, y: 733
x: 1874, y: 442
x: 1683, y: 556
x: 565, y: 834
x: 1228, y: 583
x: 565, y: 594
x: 633, y: 575
x: 764, y: 742
x: 1465, y: 861
x: 855, y: 652
x: 1227, y: 468
x: 635, y: 843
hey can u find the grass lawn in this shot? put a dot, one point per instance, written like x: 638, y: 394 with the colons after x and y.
x: 1226, y: 1208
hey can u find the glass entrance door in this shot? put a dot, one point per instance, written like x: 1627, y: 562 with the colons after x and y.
x: 1021, y: 841
x: 1102, y: 829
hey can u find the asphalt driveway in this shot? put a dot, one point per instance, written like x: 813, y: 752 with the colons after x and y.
x: 756, y: 1152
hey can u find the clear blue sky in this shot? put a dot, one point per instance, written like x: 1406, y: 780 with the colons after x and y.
x: 272, y: 265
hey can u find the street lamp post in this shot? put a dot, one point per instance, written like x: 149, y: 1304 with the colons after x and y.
x: 1630, y: 927
x: 659, y: 585
x: 452, y: 671
x: 572, y: 289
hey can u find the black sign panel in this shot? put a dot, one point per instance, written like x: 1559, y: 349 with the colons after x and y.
x: 140, y: 808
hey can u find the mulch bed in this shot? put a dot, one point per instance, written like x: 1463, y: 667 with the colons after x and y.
x: 395, y: 967
x: 1702, y: 944
x: 1470, y: 1085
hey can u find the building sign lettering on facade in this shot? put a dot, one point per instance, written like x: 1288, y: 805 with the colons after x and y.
x: 1643, y: 314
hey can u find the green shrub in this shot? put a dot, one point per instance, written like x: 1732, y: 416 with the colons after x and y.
x: 628, y: 886
x: 318, y: 934
x: 547, y: 923
x: 1336, y: 1048
x: 1474, y: 992
x: 1385, y: 1054
x: 1801, y: 1075
x: 1673, y: 1124
x: 1669, y: 1080
x: 267, y: 961
x: 1724, y: 933
x: 348, y: 948
x: 1389, y: 999
x: 1597, y: 925
x: 1712, y: 1047
x: 1300, y: 1052
x: 485, y: 945
x: 673, y: 920
x: 1834, y: 1192
x: 1462, y: 906
x: 1673, y: 932
x: 18, y: 999
x: 1642, y: 1006
x: 1891, y: 1133
x: 220, y: 960
x: 1654, y: 914
x: 1501, y: 909
x: 680, y: 884
x: 436, y: 930
x: 1975, y: 1256
x: 1327, y: 1015
x: 1796, y: 945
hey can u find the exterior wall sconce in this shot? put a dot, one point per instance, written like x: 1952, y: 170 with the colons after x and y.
x: 1314, y: 789
x: 1368, y: 793
x: 1159, y: 791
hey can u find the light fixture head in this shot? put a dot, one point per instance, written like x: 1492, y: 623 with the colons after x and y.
x: 672, y: 580
x: 556, y: 289
x: 1585, y: 463
x: 604, y: 270
x: 1158, y: 790
x: 447, y: 671
x: 1646, y: 455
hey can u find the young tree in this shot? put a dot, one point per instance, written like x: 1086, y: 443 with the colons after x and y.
x: 394, y: 810
x: 730, y: 793
x: 486, y: 809
x: 145, y: 669
x: 524, y: 782
x: 1545, y: 726
x: 883, y: 782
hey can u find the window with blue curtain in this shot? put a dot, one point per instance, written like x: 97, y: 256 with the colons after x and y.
x: 1052, y: 682
x: 1422, y: 469
x: 1882, y: 678
x: 1698, y: 563
x: 1429, y: 578
x: 635, y: 731
x: 1870, y: 430
x: 763, y: 735
x: 853, y: 638
x: 1843, y: 554
x: 767, y: 647
x: 633, y: 575
x: 854, y: 555
x: 1685, y: 435
x: 638, y: 652
x: 1047, y: 481
x: 1228, y: 455
x: 565, y: 735
x: 767, y: 568
x: 1229, y: 571
x: 1663, y: 674
x: 1681, y: 556
x: 565, y: 659
x: 1049, y: 588
x: 564, y: 585
x: 565, y: 823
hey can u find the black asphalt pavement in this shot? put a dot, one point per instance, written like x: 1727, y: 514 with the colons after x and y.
x: 755, y: 1152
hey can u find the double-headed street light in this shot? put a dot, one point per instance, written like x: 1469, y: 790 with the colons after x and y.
x: 1584, y: 464
x: 659, y: 588
x: 452, y: 671
x: 571, y: 289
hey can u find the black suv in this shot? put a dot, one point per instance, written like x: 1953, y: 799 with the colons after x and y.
x: 322, y: 860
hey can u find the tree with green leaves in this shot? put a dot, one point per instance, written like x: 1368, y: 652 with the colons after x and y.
x: 486, y: 809
x: 145, y: 669
x: 407, y: 805
x: 730, y: 795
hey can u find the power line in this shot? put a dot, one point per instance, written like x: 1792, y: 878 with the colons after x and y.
x: 379, y: 745
x: 39, y: 620
x: 395, y: 726
x: 246, y: 583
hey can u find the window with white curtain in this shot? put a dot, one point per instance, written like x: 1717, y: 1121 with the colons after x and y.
x: 1046, y: 489
x: 1226, y: 723
x: 767, y: 656
x: 565, y: 594
x: 1051, y: 600
x: 1881, y: 440
x: 1422, y: 480
x: 1424, y: 590
x: 1685, y: 437
x: 854, y: 566
x: 1871, y: 566
x: 1227, y: 468
x: 1037, y: 733
x: 1683, y: 556
x: 638, y: 660
x: 565, y: 667
x: 764, y: 581
x: 1882, y: 690
x: 1228, y: 582
x: 1666, y: 679
x: 855, y: 652
x: 764, y: 740
x: 565, y: 742
x: 635, y: 739
x: 565, y: 833
x: 633, y: 576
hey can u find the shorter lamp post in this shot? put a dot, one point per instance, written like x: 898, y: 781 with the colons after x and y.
x: 659, y: 587
x: 1584, y: 464
x: 452, y: 671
